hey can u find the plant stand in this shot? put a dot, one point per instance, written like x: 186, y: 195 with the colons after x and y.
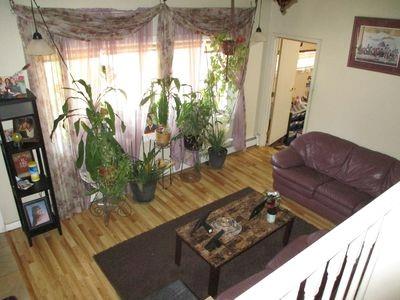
x: 167, y: 172
x: 191, y: 174
x: 103, y: 207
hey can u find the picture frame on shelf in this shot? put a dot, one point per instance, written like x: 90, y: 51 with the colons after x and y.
x: 8, y: 129
x: 12, y: 87
x: 375, y: 45
x: 26, y: 126
x: 21, y: 161
x: 38, y: 212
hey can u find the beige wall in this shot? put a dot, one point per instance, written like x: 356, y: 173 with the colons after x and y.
x: 355, y: 104
x: 12, y: 58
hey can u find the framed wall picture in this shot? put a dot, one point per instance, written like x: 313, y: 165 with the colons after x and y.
x: 27, y: 128
x: 21, y: 161
x: 37, y: 212
x: 375, y: 45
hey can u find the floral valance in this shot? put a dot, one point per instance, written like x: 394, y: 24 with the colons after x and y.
x: 110, y: 24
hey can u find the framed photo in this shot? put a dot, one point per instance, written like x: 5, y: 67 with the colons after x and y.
x: 12, y: 86
x: 38, y: 213
x: 151, y: 125
x: 21, y: 161
x: 27, y: 128
x: 375, y: 45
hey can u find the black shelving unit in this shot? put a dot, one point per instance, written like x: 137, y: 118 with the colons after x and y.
x: 41, y: 191
x: 295, y: 125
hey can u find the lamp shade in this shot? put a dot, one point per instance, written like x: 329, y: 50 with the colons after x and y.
x: 38, y: 46
x: 258, y: 37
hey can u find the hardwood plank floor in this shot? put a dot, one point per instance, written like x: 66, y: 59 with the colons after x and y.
x: 59, y: 267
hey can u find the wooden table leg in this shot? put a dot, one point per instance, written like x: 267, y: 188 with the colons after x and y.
x: 288, y: 230
x: 178, y: 250
x: 213, y: 282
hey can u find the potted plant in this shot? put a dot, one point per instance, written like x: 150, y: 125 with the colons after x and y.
x: 193, y: 120
x: 160, y: 94
x: 99, y: 153
x: 216, y: 138
x: 145, y: 174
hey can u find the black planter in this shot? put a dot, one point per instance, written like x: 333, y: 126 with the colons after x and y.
x: 192, y: 143
x: 217, y: 157
x: 146, y: 194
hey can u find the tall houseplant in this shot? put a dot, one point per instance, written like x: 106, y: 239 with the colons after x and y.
x: 193, y: 120
x: 99, y: 153
x: 160, y: 94
x: 216, y: 139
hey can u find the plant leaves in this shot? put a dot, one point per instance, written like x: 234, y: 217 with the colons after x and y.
x: 81, y: 154
x: 177, y: 83
x: 85, y: 127
x: 55, y: 124
x: 77, y: 126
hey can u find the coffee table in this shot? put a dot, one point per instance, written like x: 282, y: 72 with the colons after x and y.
x: 253, y: 231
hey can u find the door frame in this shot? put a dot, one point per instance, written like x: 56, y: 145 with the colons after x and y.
x: 265, y: 106
x: 2, y: 224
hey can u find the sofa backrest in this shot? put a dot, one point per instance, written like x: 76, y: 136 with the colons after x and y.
x: 366, y: 170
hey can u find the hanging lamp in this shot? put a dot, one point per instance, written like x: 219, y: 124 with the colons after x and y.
x: 38, y: 46
x: 258, y: 36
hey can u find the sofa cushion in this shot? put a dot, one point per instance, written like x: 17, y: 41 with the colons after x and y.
x: 304, y: 177
x: 340, y: 196
x: 323, y: 152
x: 365, y: 170
x: 287, y: 158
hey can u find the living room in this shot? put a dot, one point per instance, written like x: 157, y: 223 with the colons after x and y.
x: 354, y: 104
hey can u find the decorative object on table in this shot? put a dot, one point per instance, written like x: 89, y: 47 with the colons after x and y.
x: 145, y: 174
x: 27, y: 128
x: 21, y: 163
x: 160, y: 94
x: 214, y: 243
x: 273, y: 199
x: 17, y: 156
x: 258, y: 36
x: 257, y: 209
x: 375, y: 45
x: 228, y: 225
x: 202, y: 222
x: 37, y: 212
x: 100, y: 153
x: 271, y: 214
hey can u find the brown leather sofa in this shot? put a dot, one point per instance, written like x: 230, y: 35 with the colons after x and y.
x: 331, y: 176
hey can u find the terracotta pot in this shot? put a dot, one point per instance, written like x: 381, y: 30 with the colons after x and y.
x: 228, y: 47
x: 163, y: 138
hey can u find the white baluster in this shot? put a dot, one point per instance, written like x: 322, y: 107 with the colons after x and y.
x: 369, y: 241
x: 334, y: 267
x: 352, y: 254
x: 313, y: 283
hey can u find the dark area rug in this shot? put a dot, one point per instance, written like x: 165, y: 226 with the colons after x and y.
x: 145, y: 263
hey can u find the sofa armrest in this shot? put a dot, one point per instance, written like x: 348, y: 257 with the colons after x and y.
x: 287, y: 158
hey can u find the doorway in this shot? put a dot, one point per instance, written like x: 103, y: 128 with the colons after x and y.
x: 290, y: 97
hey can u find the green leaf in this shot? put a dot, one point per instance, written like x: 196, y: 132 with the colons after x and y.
x: 85, y: 127
x: 81, y: 154
x: 65, y: 107
x: 77, y: 126
x: 177, y: 83
x: 110, y: 111
x: 123, y: 126
x: 55, y: 124
x: 87, y: 87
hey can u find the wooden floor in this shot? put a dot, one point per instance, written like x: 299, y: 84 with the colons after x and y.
x: 59, y: 267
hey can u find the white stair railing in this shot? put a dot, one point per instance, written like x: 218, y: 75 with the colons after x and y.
x: 346, y: 256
